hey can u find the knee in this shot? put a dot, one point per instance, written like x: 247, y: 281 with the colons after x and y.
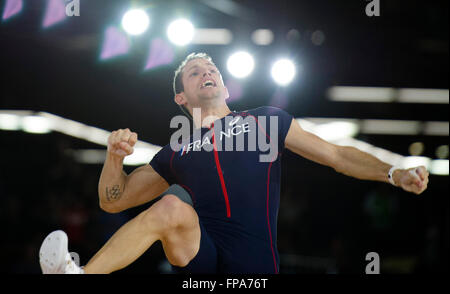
x: 169, y: 211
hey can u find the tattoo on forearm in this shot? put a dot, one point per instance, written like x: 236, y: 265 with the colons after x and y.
x: 113, y: 193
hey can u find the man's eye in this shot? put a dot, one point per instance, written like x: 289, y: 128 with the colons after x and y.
x: 194, y: 73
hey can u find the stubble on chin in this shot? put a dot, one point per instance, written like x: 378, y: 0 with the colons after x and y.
x: 210, y: 96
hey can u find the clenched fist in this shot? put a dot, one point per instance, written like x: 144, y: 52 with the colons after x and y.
x: 413, y: 180
x: 121, y: 142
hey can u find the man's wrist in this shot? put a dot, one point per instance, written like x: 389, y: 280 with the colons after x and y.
x: 394, y: 175
x: 115, y: 160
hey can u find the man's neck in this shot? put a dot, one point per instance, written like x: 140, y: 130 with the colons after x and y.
x: 204, y: 117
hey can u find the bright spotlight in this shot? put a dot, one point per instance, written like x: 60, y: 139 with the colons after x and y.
x: 180, y: 32
x: 135, y: 21
x: 240, y: 64
x: 283, y: 72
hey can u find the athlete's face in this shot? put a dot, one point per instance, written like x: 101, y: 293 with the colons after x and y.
x: 202, y: 81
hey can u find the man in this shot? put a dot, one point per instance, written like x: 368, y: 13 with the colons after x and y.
x: 221, y: 216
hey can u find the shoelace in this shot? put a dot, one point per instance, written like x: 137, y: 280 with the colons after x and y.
x: 71, y: 267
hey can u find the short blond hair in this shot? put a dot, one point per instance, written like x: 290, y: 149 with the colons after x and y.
x: 178, y: 86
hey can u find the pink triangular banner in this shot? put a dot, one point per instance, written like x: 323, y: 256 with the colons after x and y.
x: 160, y: 53
x: 116, y: 43
x: 12, y: 7
x: 56, y: 12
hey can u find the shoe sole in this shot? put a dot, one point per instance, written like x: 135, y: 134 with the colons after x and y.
x: 53, y: 252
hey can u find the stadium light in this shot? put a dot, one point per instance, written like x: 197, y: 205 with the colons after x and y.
x: 240, y: 64
x: 135, y: 21
x: 181, y: 32
x: 283, y: 72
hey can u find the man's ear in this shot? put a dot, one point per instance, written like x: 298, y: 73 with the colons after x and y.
x: 180, y: 99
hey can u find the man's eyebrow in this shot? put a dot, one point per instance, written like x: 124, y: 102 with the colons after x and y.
x: 194, y: 66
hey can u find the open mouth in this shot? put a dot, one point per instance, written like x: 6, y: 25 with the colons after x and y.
x: 208, y: 84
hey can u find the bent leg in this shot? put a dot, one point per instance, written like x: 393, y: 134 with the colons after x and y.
x: 181, y: 241
x: 170, y: 220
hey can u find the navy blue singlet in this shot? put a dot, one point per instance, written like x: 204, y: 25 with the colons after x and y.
x: 232, y: 172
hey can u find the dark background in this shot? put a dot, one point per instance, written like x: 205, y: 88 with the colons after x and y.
x: 327, y: 222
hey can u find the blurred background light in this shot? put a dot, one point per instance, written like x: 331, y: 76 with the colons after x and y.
x: 293, y: 35
x: 115, y: 43
x: 439, y: 167
x: 89, y: 156
x: 361, y: 94
x: 280, y: 98
x: 436, y: 128
x: 331, y: 129
x: 55, y: 13
x: 160, y: 53
x: 140, y: 156
x: 10, y: 122
x: 283, y: 72
x: 414, y: 161
x: 11, y: 8
x: 240, y: 64
x: 442, y: 152
x: 44, y: 122
x: 235, y: 90
x: 390, y: 127
x: 135, y: 22
x: 207, y: 36
x: 36, y: 124
x: 387, y: 94
x: 180, y: 32
x: 416, y: 148
x: 337, y: 130
x: 76, y: 129
x: 262, y: 37
x: 97, y: 156
x: 318, y: 37
x: 435, y: 96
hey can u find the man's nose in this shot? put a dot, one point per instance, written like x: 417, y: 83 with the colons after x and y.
x: 206, y: 73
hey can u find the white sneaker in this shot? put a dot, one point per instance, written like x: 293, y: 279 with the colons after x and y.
x: 54, y: 255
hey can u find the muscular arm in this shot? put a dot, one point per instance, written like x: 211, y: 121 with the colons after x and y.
x: 349, y: 161
x: 119, y: 191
